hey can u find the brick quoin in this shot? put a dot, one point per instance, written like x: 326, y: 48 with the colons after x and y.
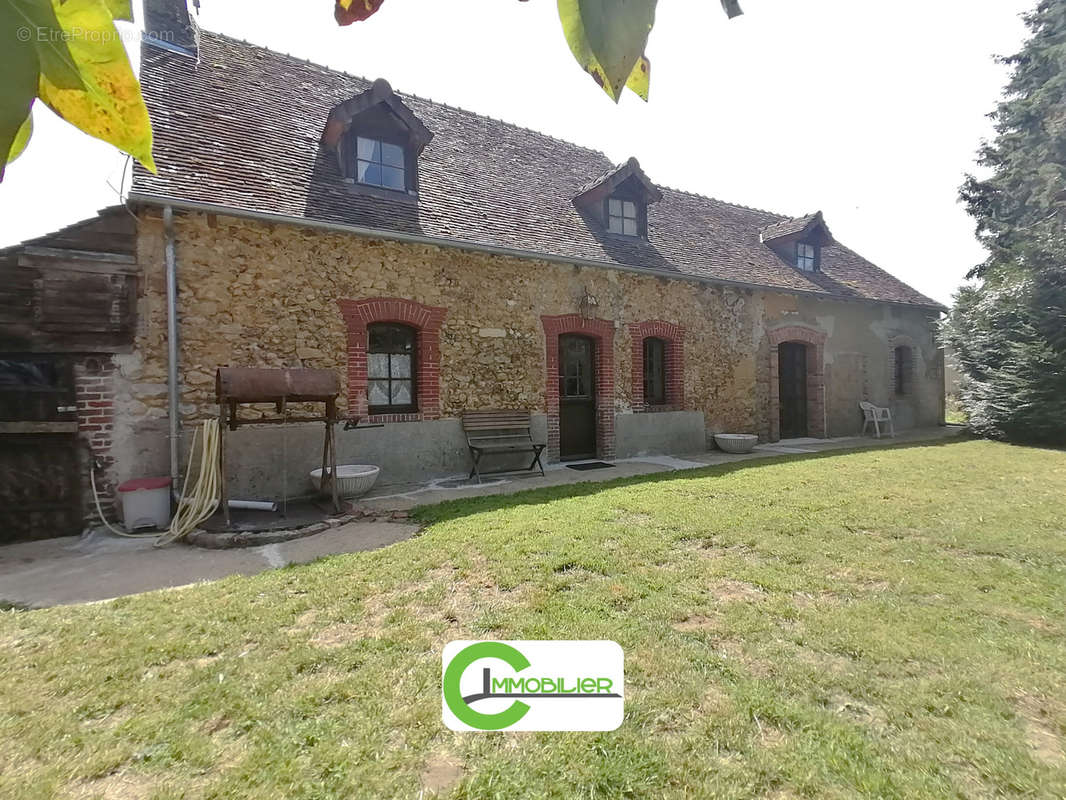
x: 602, y: 332
x: 93, y: 393
x: 674, y: 337
x: 426, y: 320
x: 815, y: 341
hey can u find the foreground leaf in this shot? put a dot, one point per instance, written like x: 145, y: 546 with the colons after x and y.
x: 22, y: 138
x: 348, y: 11
x: 607, y: 37
x: 732, y: 8
x: 18, y: 88
x: 640, y: 78
x: 120, y: 9
x: 110, y: 107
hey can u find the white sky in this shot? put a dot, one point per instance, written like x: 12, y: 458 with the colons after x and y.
x: 869, y: 111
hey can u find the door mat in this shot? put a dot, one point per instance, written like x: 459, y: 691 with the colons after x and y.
x: 590, y: 465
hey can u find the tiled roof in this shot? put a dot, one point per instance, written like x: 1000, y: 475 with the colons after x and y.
x: 787, y: 227
x: 242, y: 128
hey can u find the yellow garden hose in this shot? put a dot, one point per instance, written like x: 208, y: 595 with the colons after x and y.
x: 199, y: 504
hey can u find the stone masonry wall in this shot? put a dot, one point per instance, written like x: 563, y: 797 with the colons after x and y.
x: 263, y: 295
x: 252, y: 294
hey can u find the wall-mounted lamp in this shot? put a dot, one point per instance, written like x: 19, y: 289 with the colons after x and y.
x: 588, y: 305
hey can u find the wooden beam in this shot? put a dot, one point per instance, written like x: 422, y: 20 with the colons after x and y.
x: 79, y: 255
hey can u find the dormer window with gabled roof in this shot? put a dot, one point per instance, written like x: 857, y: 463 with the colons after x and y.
x: 377, y: 140
x: 618, y: 201
x: 799, y: 241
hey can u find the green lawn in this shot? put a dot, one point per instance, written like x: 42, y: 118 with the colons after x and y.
x: 883, y: 623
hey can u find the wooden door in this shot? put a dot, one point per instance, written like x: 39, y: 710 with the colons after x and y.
x: 39, y: 479
x: 792, y: 378
x: 577, y: 397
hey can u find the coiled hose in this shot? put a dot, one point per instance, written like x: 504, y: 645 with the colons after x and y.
x: 202, y: 502
x: 192, y: 509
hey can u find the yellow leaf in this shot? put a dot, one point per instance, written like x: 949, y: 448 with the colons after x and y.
x: 640, y: 78
x: 110, y: 107
x: 22, y: 138
x: 120, y: 9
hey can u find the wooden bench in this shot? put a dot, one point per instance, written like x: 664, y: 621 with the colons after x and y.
x: 500, y: 432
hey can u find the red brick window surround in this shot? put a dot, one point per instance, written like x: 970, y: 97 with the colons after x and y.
x: 602, y: 332
x: 426, y: 320
x: 815, y: 341
x: 674, y: 338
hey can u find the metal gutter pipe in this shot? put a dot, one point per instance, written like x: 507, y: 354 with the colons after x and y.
x: 460, y: 244
x: 173, y: 396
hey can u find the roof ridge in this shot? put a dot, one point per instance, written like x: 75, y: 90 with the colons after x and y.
x: 724, y: 202
x: 347, y: 74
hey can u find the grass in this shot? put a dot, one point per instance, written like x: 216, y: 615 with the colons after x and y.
x: 954, y: 412
x: 882, y: 623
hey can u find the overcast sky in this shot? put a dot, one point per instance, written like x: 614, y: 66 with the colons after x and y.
x: 869, y: 111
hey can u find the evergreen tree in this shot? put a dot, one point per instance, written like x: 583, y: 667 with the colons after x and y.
x: 1009, y: 330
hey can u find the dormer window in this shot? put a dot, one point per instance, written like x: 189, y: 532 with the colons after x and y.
x: 622, y: 217
x: 799, y: 241
x: 377, y: 140
x: 617, y: 202
x: 806, y: 256
x: 380, y: 163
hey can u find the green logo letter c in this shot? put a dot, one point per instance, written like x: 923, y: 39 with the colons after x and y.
x: 453, y: 696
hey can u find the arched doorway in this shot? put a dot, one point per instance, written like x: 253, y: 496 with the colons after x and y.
x: 797, y: 382
x: 792, y: 389
x: 599, y: 333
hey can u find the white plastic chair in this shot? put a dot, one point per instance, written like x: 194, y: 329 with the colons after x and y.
x: 876, y: 415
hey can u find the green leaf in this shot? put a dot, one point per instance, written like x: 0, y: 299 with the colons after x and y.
x: 110, y: 107
x: 35, y: 22
x: 607, y: 37
x: 18, y: 88
x: 120, y: 9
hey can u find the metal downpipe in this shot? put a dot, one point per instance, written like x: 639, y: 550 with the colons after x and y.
x: 173, y: 395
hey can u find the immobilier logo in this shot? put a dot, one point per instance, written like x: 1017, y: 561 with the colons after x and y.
x: 532, y: 686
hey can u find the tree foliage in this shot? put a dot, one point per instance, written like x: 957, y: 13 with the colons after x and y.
x: 1008, y: 331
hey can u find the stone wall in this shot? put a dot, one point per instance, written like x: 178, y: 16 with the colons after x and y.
x: 255, y: 294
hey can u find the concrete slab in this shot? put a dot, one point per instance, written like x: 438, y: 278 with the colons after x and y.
x: 402, y: 497
x: 102, y: 565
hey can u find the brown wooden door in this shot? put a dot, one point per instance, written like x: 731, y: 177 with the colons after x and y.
x: 792, y: 378
x: 39, y: 479
x: 577, y: 397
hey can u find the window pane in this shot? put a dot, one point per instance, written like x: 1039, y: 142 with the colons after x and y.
x: 377, y: 365
x: 629, y: 209
x: 614, y: 224
x: 401, y: 366
x: 378, y: 393
x: 368, y: 149
x: 401, y: 393
x: 369, y: 173
x: 629, y: 227
x: 614, y: 207
x: 392, y: 178
x: 391, y: 154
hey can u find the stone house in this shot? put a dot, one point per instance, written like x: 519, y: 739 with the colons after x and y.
x: 441, y: 261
